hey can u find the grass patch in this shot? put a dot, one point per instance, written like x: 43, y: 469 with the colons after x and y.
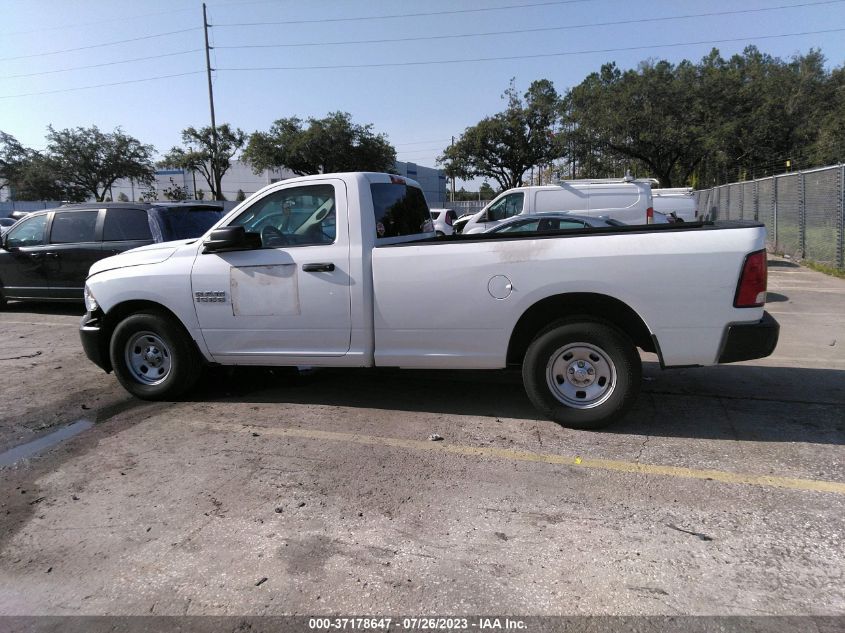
x: 824, y: 268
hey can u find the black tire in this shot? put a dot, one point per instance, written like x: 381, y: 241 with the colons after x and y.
x: 173, y: 364
x: 607, y: 355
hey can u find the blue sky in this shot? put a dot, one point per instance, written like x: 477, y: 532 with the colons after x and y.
x: 419, y: 107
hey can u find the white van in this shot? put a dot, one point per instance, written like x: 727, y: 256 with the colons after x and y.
x: 677, y: 201
x: 626, y: 200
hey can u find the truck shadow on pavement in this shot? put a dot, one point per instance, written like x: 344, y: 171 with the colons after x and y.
x: 737, y: 402
x: 72, y: 308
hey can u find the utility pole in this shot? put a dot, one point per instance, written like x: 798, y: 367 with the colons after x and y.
x: 213, y: 166
x: 453, y: 177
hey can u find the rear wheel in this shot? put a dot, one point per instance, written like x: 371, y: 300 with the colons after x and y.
x: 153, y: 357
x: 583, y: 375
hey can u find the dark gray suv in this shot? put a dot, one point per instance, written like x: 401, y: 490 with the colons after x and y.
x: 46, y: 255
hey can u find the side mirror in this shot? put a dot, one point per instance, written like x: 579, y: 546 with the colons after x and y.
x: 231, y: 238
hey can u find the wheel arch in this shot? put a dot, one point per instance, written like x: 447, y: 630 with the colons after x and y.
x: 597, y: 307
x: 120, y: 311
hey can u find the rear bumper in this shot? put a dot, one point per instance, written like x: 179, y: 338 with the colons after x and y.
x: 93, y: 341
x: 747, y: 341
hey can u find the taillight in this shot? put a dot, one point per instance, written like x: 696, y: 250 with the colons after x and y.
x: 751, y: 290
x: 649, y: 215
x: 448, y: 219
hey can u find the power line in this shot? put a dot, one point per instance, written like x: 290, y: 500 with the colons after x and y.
x: 417, y: 151
x: 539, y: 29
x: 122, y: 61
x: 407, y: 15
x: 85, y: 48
x: 115, y: 83
x: 127, y: 18
x: 439, y: 140
x: 535, y: 56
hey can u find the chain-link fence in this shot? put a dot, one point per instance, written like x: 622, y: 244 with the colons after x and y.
x: 463, y: 207
x: 804, y: 212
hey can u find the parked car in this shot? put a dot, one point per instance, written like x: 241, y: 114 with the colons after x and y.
x: 17, y: 215
x: 459, y: 224
x: 623, y: 199
x: 551, y: 222
x: 678, y: 203
x: 571, y: 308
x: 46, y: 255
x: 444, y: 219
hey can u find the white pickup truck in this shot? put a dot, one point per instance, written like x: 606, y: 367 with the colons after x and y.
x: 345, y: 270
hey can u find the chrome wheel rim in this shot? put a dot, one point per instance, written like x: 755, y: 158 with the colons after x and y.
x: 581, y: 375
x: 148, y: 358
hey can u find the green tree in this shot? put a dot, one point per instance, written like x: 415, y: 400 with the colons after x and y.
x: 37, y: 181
x: 829, y: 144
x: 241, y: 196
x: 122, y: 197
x: 206, y: 153
x: 331, y: 144
x: 91, y: 161
x: 653, y: 115
x: 29, y: 175
x: 175, y: 191
x: 12, y: 157
x: 504, y: 146
x: 150, y: 194
x: 486, y: 191
x: 713, y: 121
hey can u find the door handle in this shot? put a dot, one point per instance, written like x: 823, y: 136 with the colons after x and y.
x: 318, y: 268
x: 36, y: 255
x: 51, y: 255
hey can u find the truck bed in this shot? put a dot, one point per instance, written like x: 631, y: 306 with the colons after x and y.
x: 453, y: 301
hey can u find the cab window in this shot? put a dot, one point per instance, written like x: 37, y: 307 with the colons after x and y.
x: 298, y: 216
x: 70, y: 227
x: 399, y: 210
x: 506, y: 207
x: 126, y: 225
x: 30, y: 232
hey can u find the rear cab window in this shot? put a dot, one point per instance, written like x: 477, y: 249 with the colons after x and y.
x: 400, y: 210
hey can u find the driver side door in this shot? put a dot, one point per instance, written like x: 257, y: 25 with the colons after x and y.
x: 287, y: 302
x: 24, y: 273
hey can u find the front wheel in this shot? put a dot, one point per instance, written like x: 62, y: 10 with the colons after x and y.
x: 583, y: 375
x: 153, y: 357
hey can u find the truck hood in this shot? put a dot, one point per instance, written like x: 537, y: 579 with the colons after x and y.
x: 150, y: 254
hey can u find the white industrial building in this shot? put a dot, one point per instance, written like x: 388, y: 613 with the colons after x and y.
x: 241, y: 177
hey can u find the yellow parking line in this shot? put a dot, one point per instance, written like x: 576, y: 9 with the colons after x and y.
x: 721, y: 476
